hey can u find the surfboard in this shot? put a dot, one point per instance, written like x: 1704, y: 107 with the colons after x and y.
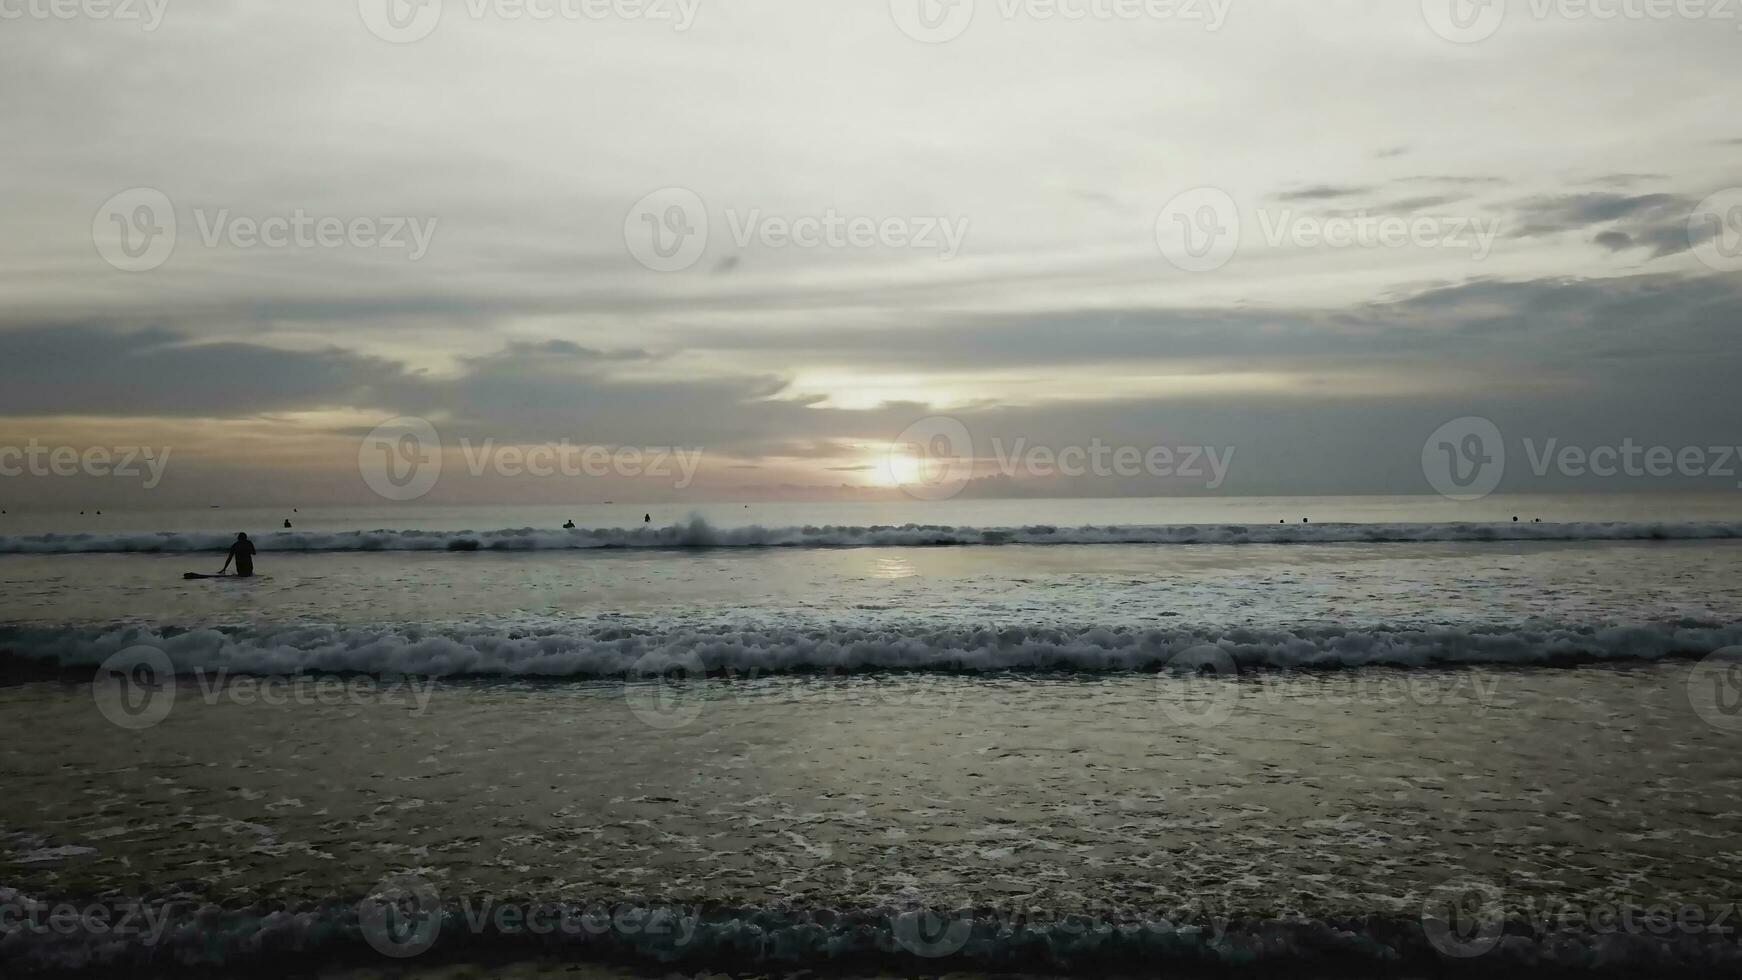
x: 194, y: 575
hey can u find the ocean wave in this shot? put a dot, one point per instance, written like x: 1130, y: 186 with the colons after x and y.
x: 166, y: 937
x: 611, y: 649
x: 699, y: 534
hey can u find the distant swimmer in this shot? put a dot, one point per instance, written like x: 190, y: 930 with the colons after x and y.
x: 570, y: 526
x: 1306, y: 520
x: 647, y: 518
x: 242, y: 552
x: 287, y: 522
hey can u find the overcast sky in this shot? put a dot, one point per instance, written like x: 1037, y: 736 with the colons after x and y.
x: 1309, y: 231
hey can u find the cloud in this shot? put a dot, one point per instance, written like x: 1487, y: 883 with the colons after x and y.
x: 1321, y: 192
x: 1657, y: 223
x: 63, y: 369
x: 531, y: 319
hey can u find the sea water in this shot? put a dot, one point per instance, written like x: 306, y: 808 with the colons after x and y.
x: 1067, y: 735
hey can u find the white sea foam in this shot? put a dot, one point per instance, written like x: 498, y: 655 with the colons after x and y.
x: 599, y: 650
x: 698, y: 533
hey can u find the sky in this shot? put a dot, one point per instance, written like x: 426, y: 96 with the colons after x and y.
x: 863, y: 248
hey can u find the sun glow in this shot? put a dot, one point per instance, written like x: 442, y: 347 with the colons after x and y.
x: 898, y: 468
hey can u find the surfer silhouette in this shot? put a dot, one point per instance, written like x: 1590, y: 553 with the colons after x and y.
x: 242, y: 552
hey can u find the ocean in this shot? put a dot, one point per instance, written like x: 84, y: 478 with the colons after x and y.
x: 1285, y: 736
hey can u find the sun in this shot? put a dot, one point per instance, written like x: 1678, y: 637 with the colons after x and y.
x: 899, y: 468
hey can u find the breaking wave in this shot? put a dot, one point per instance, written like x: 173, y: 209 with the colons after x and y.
x: 698, y: 533
x: 166, y: 938
x: 606, y: 650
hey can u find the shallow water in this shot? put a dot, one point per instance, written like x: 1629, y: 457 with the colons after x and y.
x: 1267, y: 585
x: 1311, y: 795
x: 1219, y: 753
